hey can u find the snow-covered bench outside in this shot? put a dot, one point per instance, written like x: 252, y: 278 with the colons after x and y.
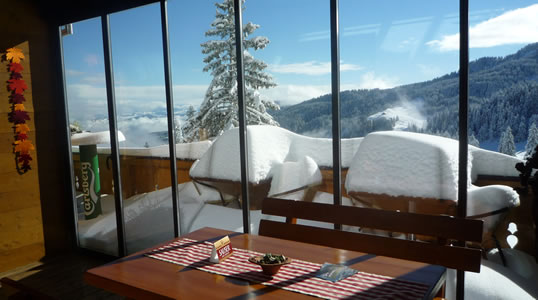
x: 279, y: 161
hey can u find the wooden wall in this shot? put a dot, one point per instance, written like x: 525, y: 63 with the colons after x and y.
x: 36, y: 216
x: 21, y: 226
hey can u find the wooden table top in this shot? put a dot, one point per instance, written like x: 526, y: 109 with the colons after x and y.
x: 140, y: 277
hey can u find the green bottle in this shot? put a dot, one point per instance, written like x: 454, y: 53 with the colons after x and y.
x: 90, y: 183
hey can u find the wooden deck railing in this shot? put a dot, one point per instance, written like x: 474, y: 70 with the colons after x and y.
x: 139, y: 174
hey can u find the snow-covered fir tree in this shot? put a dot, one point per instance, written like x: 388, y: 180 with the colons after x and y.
x: 178, y: 131
x: 190, y: 112
x: 532, y: 140
x: 219, y: 110
x: 506, y: 143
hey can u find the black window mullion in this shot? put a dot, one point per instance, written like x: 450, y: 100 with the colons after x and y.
x: 463, y: 134
x: 170, y: 116
x: 242, y: 118
x: 335, y: 84
x: 111, y: 101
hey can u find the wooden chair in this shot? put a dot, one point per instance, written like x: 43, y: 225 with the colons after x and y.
x: 445, y: 228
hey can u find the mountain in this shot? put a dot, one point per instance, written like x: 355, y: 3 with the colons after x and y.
x: 503, y: 91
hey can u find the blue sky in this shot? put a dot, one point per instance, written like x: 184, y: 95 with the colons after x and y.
x: 383, y: 44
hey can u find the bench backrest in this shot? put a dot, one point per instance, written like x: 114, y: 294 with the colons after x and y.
x: 444, y: 228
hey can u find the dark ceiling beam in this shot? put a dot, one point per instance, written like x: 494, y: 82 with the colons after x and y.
x: 61, y: 12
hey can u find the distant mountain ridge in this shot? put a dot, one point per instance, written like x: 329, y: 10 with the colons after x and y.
x: 503, y: 91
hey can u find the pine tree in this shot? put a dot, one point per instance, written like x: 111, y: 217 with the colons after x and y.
x: 506, y: 143
x: 190, y: 112
x: 178, y: 131
x: 532, y: 140
x: 219, y: 110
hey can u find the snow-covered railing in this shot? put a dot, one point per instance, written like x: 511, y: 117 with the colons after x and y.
x: 184, y: 151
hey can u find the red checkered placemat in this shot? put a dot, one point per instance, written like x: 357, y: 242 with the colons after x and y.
x: 298, y: 276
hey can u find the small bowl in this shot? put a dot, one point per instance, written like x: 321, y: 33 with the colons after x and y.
x: 268, y: 269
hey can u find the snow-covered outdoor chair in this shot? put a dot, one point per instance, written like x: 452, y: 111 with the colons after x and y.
x: 414, y: 172
x: 280, y: 162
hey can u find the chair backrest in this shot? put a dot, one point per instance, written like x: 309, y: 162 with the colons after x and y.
x: 444, y: 228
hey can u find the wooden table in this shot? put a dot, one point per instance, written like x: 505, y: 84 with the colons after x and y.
x: 140, y: 277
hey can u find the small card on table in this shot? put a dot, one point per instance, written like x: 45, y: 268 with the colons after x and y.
x: 334, y: 272
x: 222, y: 249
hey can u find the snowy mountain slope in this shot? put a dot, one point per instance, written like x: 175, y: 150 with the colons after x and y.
x: 404, y: 116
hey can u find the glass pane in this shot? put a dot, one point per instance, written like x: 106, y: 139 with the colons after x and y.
x: 137, y: 57
x: 502, y: 109
x: 206, y: 110
x: 400, y: 105
x: 90, y: 138
x: 293, y: 160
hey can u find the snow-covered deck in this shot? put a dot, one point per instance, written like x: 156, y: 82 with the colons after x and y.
x: 393, y: 164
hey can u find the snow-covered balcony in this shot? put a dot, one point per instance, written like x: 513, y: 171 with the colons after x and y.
x: 390, y: 170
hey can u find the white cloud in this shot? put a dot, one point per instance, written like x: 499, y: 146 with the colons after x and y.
x: 372, y: 81
x: 289, y: 94
x: 314, y: 36
x: 361, y: 29
x: 87, y: 101
x: 71, y: 72
x: 310, y: 68
x: 91, y: 60
x: 429, y: 71
x: 518, y: 26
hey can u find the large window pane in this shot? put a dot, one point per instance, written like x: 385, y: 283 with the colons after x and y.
x: 209, y: 192
x: 137, y: 58
x: 88, y: 117
x: 293, y: 159
x: 502, y: 105
x: 403, y: 89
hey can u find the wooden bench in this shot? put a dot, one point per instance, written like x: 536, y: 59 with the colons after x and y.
x: 445, y: 229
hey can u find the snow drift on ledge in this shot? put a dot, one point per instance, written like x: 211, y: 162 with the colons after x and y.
x: 410, y: 164
x: 268, y: 147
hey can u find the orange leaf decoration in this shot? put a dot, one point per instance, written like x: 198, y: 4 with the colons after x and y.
x: 24, y: 146
x: 17, y: 85
x: 19, y: 107
x: 14, y: 54
x: 15, y: 67
x: 22, y: 128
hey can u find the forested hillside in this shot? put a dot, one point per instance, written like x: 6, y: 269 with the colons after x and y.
x: 502, y: 92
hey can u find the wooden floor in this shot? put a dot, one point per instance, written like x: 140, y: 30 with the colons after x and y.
x: 59, y: 277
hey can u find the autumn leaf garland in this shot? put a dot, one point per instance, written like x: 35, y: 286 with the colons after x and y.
x: 18, y: 115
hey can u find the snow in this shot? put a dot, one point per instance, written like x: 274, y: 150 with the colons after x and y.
x: 268, y: 148
x: 493, y: 282
x: 94, y: 138
x: 148, y: 218
x: 418, y: 165
x: 404, y: 163
x: 291, y: 175
x: 490, y: 198
x: 407, y: 115
x: 487, y: 162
